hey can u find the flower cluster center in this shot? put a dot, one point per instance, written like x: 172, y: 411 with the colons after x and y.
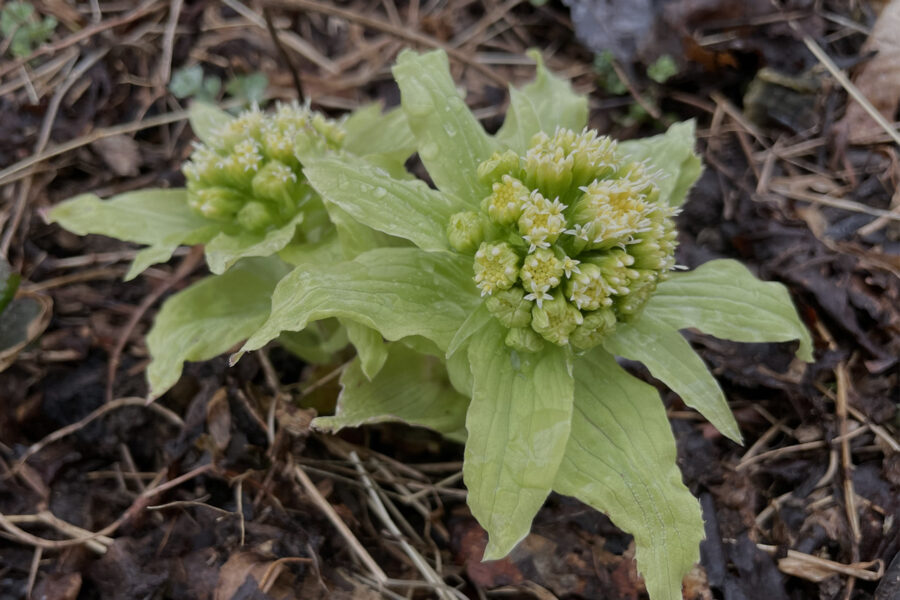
x: 249, y: 173
x: 571, y: 240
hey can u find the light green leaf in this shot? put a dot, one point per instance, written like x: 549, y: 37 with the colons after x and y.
x: 370, y: 347
x: 673, y: 154
x: 670, y: 358
x: 209, y: 317
x: 369, y: 131
x: 475, y: 322
x: 460, y: 373
x: 323, y: 251
x: 724, y: 299
x: 621, y: 460
x: 150, y: 256
x: 151, y: 217
x: 399, y: 292
x: 159, y: 218
x: 518, y: 424
x: 319, y: 343
x: 224, y: 250
x: 410, y: 388
x: 206, y: 119
x: 406, y: 209
x: 543, y: 105
x: 451, y: 141
x: 356, y: 238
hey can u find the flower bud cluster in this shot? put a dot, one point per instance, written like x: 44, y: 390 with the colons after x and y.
x: 249, y: 173
x: 571, y: 240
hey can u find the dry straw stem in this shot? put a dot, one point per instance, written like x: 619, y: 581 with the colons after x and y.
x: 361, y: 553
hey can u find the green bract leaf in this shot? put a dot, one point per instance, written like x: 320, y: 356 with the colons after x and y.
x: 369, y: 131
x: 724, y: 299
x: 158, y: 218
x: 474, y: 323
x: 621, y: 460
x: 450, y: 140
x: 673, y: 154
x: 410, y: 388
x: 406, y: 209
x: 670, y: 358
x: 324, y: 251
x: 206, y: 119
x: 399, y: 292
x: 224, y: 250
x: 518, y: 424
x: 356, y: 238
x: 210, y: 317
x: 543, y: 105
x: 148, y: 217
x: 369, y: 346
x: 319, y: 343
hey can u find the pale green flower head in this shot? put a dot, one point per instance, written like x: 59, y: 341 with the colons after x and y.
x: 572, y: 221
x: 248, y: 172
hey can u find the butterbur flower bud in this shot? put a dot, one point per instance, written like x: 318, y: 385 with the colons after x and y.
x: 507, y: 200
x: 277, y: 183
x: 466, y: 231
x: 567, y: 274
x: 596, y: 326
x: 255, y: 216
x: 510, y: 307
x: 588, y: 290
x: 541, y: 271
x: 496, y: 267
x: 249, y: 171
x: 498, y: 165
x: 548, y: 167
x: 556, y: 319
x: 524, y: 339
x: 216, y: 203
x: 542, y: 221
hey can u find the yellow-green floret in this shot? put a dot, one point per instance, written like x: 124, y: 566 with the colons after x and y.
x: 571, y: 239
x: 249, y: 174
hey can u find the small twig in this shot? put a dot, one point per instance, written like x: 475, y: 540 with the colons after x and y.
x: 7, y: 175
x: 378, y: 506
x: 860, y: 570
x: 409, y: 35
x: 342, y: 528
x: 33, y: 571
x: 298, y: 85
x: 168, y: 43
x: 633, y: 91
x: 51, y: 49
x: 848, y: 85
x: 97, y: 413
x: 835, y: 202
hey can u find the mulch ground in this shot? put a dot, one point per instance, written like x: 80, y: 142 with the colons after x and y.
x: 220, y: 489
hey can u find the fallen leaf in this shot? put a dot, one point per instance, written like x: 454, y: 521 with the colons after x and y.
x: 58, y: 586
x: 120, y: 153
x: 878, y: 79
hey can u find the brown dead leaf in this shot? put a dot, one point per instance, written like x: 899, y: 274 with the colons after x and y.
x: 878, y: 79
x: 120, y: 153
x: 242, y: 566
x: 696, y: 584
x: 218, y: 419
x: 58, y: 586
